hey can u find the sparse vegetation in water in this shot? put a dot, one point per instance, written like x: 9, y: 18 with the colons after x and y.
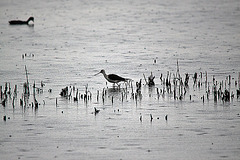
x: 150, y: 82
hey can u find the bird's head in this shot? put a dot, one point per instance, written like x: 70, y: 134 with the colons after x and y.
x: 30, y: 19
x: 102, y: 71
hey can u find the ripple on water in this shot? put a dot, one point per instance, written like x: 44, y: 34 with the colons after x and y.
x: 49, y: 127
x: 28, y: 124
x: 119, y: 148
x: 102, y: 147
x: 23, y: 150
x: 223, y: 156
x: 132, y: 144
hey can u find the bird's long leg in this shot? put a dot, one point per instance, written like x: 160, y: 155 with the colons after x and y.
x: 113, y: 85
x: 119, y: 86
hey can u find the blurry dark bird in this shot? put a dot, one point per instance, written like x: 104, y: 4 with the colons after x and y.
x: 151, y: 117
x: 3, y: 103
x: 19, y: 22
x: 5, y: 118
x: 96, y: 111
x: 166, y: 117
x: 113, y: 78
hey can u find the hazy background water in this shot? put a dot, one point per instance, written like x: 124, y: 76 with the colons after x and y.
x: 73, y: 40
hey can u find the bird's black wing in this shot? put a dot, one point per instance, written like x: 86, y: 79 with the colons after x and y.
x: 116, y: 77
x: 17, y: 22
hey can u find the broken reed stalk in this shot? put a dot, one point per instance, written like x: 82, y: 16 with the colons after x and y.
x: 178, y: 73
x: 239, y: 80
x: 145, y: 78
x: 15, y: 90
x: 85, y: 95
x: 132, y: 87
x: 27, y: 84
x: 75, y: 98
x: 122, y: 96
x: 14, y: 96
x: 103, y: 95
x: 34, y: 96
x: 97, y: 95
x: 1, y: 92
x: 9, y: 90
x: 136, y: 98
x: 158, y: 94
x: 206, y: 79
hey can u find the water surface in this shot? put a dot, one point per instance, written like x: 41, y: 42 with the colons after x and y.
x: 73, y: 40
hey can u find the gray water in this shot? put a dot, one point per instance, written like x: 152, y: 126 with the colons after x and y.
x: 71, y: 41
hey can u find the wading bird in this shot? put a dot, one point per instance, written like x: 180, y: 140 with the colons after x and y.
x: 96, y: 111
x: 19, y: 22
x: 113, y: 78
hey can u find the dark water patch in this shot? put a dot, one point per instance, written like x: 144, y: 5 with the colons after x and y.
x: 232, y: 126
x: 23, y: 150
x: 223, y: 157
x: 102, y: 147
x: 70, y: 150
x: 29, y: 129
x: 206, y: 128
x: 198, y: 131
x: 203, y: 133
x: 38, y: 133
x: 119, y: 148
x: 132, y: 144
x: 163, y: 106
x: 28, y: 124
x: 151, y: 109
x: 32, y: 157
x: 49, y: 127
x: 113, y: 129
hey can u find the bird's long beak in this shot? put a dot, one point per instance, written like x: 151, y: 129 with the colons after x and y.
x: 97, y: 73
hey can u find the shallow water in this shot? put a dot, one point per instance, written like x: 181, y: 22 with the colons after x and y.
x: 73, y: 40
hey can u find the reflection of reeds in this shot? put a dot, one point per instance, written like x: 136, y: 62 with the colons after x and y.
x: 86, y: 96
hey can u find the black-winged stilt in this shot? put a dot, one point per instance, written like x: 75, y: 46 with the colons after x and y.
x: 113, y: 78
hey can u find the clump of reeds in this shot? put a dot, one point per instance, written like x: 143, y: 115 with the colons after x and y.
x: 64, y: 92
x: 150, y: 81
x: 87, y: 95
